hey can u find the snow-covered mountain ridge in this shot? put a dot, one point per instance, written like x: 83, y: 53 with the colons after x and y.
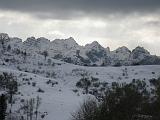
x: 89, y: 55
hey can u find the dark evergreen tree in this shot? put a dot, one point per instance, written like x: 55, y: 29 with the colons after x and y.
x: 155, y: 107
x: 3, y: 107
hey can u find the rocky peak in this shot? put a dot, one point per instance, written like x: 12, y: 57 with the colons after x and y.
x: 139, y: 53
x: 94, y: 46
x: 43, y: 40
x: 71, y: 41
x: 122, y: 49
x: 16, y: 39
x: 66, y: 44
x: 30, y: 44
x: 140, y: 50
x: 30, y: 40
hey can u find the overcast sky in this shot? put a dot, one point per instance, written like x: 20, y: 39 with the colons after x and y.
x: 112, y: 23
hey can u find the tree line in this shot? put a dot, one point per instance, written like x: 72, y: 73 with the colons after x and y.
x: 123, y: 102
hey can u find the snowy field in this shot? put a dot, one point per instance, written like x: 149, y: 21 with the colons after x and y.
x: 58, y: 99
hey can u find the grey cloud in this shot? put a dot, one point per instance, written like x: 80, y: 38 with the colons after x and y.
x: 155, y: 23
x: 64, y: 9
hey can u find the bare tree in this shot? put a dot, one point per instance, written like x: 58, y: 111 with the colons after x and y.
x: 87, y: 111
x: 25, y: 108
x: 38, y: 102
x: 31, y: 108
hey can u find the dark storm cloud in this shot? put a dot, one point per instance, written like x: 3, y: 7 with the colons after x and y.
x: 76, y: 8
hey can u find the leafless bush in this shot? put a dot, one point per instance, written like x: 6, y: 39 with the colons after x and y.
x: 86, y: 111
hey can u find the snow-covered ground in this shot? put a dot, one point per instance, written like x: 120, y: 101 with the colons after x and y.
x: 56, y: 80
x: 59, y: 100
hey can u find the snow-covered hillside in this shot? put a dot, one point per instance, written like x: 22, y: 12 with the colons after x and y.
x: 45, y: 69
x: 59, y: 94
